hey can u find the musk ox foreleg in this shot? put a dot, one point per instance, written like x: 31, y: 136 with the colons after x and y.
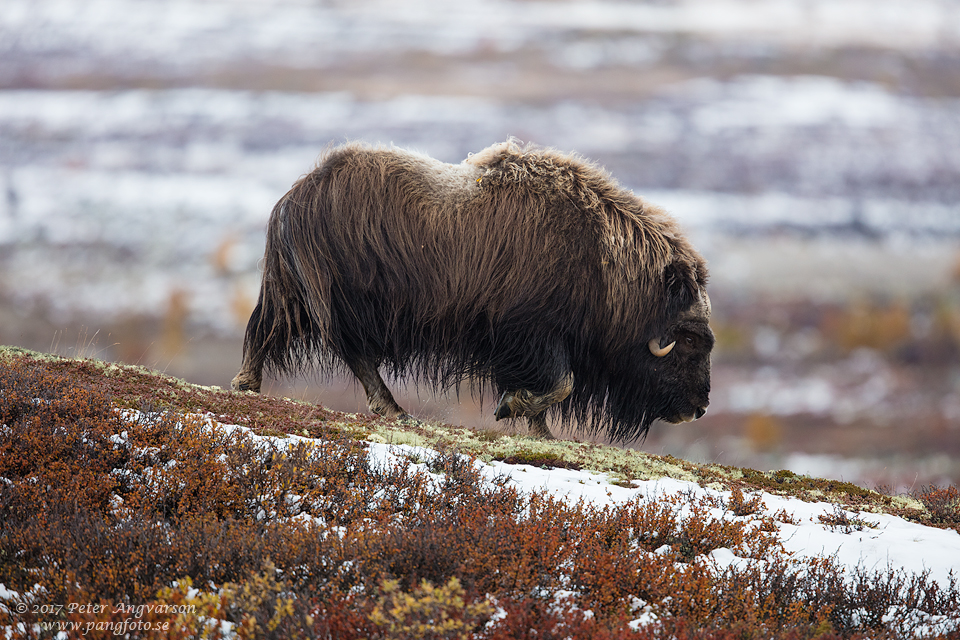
x: 537, y: 427
x: 379, y: 398
x: 525, y: 404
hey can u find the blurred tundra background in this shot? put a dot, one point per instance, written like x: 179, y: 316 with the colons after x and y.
x: 811, y: 148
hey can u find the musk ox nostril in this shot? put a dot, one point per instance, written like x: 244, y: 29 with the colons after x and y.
x: 702, y: 411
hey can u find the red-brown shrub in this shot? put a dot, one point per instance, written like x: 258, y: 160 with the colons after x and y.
x: 943, y: 505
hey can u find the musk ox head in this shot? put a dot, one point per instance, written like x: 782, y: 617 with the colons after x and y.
x: 681, y: 364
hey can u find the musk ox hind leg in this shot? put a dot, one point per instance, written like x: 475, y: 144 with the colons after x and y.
x: 379, y: 398
x: 250, y: 376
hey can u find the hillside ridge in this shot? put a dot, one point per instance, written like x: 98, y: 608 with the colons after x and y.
x: 137, y: 387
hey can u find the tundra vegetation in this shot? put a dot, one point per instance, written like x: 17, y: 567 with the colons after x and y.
x: 121, y: 488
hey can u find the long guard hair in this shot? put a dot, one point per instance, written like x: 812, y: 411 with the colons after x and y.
x: 511, y: 268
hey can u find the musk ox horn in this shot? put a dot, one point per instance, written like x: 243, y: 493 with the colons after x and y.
x: 659, y: 351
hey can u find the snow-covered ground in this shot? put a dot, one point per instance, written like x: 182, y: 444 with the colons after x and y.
x: 883, y: 544
x: 892, y: 543
x: 886, y: 543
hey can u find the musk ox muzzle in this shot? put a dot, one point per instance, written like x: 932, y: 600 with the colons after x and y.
x: 523, y: 269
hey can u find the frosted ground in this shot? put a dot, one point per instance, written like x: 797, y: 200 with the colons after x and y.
x: 886, y: 544
x: 808, y: 146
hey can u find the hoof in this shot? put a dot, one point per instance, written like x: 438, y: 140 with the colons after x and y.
x: 245, y: 385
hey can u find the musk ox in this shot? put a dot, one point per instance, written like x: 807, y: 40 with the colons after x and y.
x: 521, y: 268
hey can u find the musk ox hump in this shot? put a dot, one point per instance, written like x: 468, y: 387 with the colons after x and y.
x: 492, y: 154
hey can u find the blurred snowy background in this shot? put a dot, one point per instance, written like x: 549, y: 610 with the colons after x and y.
x: 810, y: 147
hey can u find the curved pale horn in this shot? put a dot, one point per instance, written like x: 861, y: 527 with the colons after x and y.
x: 659, y: 351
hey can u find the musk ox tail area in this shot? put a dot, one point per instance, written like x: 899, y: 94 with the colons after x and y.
x: 521, y: 268
x: 284, y: 331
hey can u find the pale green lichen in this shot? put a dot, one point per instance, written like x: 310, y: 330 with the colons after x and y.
x: 12, y: 352
x: 624, y: 465
x: 906, y: 502
x: 410, y: 438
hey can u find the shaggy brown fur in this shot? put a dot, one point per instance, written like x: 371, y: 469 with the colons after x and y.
x: 522, y: 266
